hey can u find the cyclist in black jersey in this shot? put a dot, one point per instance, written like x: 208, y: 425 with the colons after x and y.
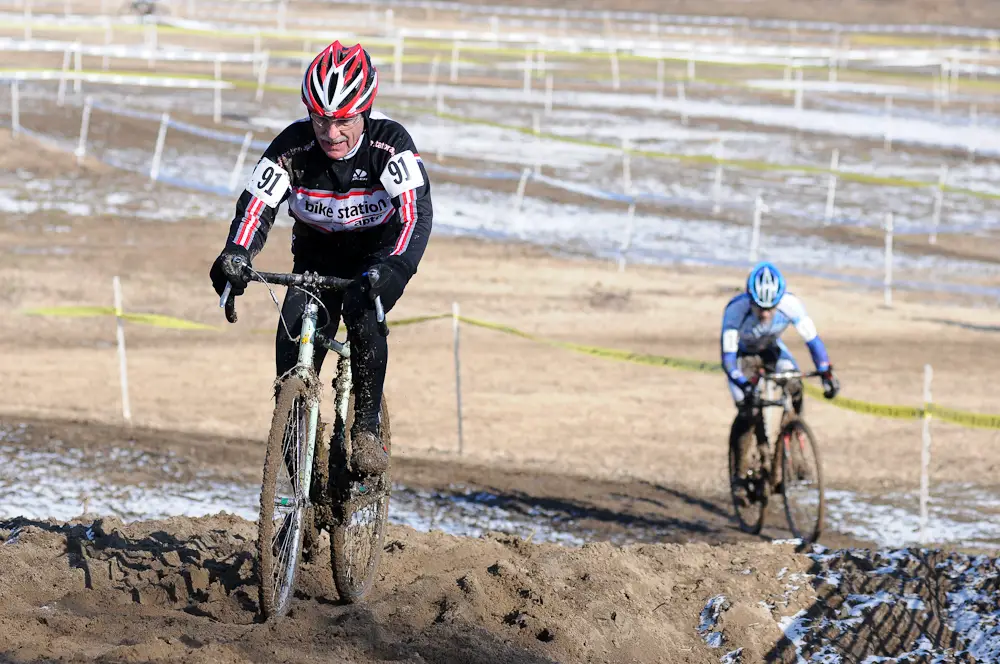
x: 360, y: 200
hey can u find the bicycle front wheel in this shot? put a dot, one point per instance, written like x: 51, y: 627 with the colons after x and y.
x: 802, y: 481
x: 356, y: 540
x: 283, y: 501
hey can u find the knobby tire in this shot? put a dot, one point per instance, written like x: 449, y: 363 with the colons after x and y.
x: 357, y: 536
x: 279, y: 546
x: 802, y: 480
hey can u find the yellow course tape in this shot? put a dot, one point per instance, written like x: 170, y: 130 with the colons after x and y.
x: 978, y: 420
x: 869, y: 408
x: 954, y: 416
x: 964, y: 418
x: 154, y: 320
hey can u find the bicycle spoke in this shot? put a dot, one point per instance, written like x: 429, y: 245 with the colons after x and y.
x: 279, y: 541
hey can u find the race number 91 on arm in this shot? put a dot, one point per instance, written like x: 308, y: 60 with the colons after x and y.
x: 269, y: 182
x: 402, y: 173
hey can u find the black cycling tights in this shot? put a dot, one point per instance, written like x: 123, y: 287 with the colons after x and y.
x: 369, y: 350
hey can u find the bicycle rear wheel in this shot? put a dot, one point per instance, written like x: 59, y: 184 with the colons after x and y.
x: 283, y: 502
x: 802, y: 480
x: 356, y: 539
x: 748, y: 491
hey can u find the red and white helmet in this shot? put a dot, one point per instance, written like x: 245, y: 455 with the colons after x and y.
x: 340, y: 82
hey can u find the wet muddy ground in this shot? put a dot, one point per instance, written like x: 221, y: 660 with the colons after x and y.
x: 63, y: 470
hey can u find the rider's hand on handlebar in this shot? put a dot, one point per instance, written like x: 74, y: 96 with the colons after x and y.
x: 831, y: 386
x: 385, y: 278
x: 229, y: 268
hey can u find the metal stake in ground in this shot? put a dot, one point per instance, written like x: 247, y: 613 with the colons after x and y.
x: 938, y: 204
x: 682, y: 102
x: 15, y: 109
x: 262, y: 76
x: 432, y: 76
x: 717, y: 186
x: 397, y: 60
x: 528, y: 67
x: 61, y: 92
x: 453, y: 77
x: 217, y: 95
x: 458, y: 373
x: 888, y: 260
x: 122, y: 361
x: 831, y: 189
x: 519, y: 196
x: 629, y: 231
x: 107, y: 42
x: 77, y: 67
x: 659, y: 78
x: 81, y: 147
x: 925, y: 455
x: 626, y: 166
x: 536, y: 123
x: 799, y: 91
x: 234, y: 177
x: 161, y: 137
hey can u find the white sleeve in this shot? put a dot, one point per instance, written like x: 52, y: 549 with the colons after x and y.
x: 806, y: 329
x: 792, y: 307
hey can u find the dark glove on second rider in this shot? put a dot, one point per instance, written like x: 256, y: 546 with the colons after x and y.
x: 226, y: 270
x: 749, y: 395
x: 831, y: 386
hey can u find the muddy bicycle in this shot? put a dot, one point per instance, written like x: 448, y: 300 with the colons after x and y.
x: 308, y: 484
x: 786, y: 464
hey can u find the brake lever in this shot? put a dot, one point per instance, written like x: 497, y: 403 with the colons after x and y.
x: 383, y: 327
x: 228, y: 300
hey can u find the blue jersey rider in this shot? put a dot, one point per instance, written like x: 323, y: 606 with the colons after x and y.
x: 751, y: 339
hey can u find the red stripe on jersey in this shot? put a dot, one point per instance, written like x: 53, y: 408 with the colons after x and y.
x: 251, y: 221
x: 408, y: 215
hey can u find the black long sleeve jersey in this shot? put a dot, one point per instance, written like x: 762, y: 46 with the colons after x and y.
x: 381, y: 183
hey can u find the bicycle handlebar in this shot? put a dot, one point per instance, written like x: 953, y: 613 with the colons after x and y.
x: 304, y: 280
x: 781, y: 378
x: 784, y: 376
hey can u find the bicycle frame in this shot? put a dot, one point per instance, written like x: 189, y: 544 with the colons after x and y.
x: 772, y: 382
x: 308, y: 338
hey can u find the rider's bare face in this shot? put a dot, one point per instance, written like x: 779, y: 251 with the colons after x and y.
x: 337, y: 136
x: 763, y: 315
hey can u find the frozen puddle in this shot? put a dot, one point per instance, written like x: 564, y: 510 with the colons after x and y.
x: 958, y: 515
x: 65, y: 482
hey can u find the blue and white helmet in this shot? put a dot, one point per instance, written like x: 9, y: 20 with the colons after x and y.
x: 765, y: 285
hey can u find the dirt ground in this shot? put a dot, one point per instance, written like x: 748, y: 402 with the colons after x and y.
x: 525, y: 405
x: 183, y: 590
x: 619, y: 447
